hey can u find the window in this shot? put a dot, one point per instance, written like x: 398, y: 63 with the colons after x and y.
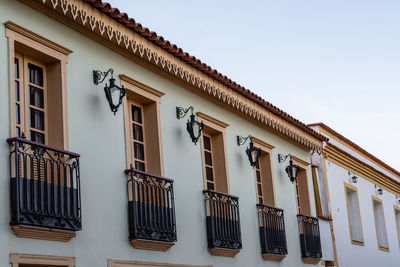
x: 122, y: 263
x: 397, y: 218
x: 263, y: 174
x: 380, y: 225
x: 354, y: 214
x: 213, y: 152
x: 38, y: 87
x: 320, y: 191
x: 142, y: 127
x: 25, y: 260
x: 301, y: 187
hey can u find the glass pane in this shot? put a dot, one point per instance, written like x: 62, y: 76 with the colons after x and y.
x: 36, y: 97
x: 260, y: 200
x: 259, y: 189
x: 18, y: 132
x: 137, y: 132
x: 209, y: 174
x: 35, y: 74
x: 258, y: 175
x: 207, y: 142
x: 139, y: 166
x: 258, y: 163
x: 37, y: 137
x: 208, y: 158
x: 17, y: 114
x: 139, y: 151
x: 136, y: 114
x: 16, y: 68
x: 17, y: 90
x: 37, y: 119
x: 210, y: 186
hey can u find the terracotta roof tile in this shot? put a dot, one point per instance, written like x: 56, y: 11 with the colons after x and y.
x: 124, y: 19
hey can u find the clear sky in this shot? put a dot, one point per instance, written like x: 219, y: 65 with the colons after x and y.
x: 336, y: 61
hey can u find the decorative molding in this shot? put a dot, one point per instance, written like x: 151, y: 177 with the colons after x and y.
x: 360, y: 168
x: 122, y: 263
x: 151, y: 245
x: 43, y: 233
x: 224, y: 252
x: 17, y: 259
x: 102, y: 28
x: 265, y: 146
x: 212, y: 120
x: 38, y: 38
x: 273, y: 257
x: 142, y: 86
x: 303, y: 164
x: 311, y: 260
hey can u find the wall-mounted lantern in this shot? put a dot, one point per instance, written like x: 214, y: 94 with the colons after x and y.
x: 353, y: 178
x: 397, y: 200
x: 253, y: 153
x: 114, y: 93
x: 193, y: 127
x: 292, y: 169
x: 379, y: 190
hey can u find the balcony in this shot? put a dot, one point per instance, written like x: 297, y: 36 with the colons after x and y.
x: 223, y: 223
x: 272, y: 233
x: 45, y: 191
x: 310, y: 239
x: 151, y: 211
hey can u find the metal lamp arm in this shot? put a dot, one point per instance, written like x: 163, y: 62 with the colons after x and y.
x: 100, y: 76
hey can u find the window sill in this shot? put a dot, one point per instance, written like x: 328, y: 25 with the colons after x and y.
x: 311, y: 260
x: 384, y: 249
x: 43, y: 233
x: 151, y: 245
x: 273, y: 257
x: 358, y: 243
x: 224, y: 252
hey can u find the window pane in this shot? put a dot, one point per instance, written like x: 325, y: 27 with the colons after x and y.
x: 17, y: 132
x: 136, y: 114
x: 17, y: 114
x: 17, y: 90
x: 139, y: 151
x: 207, y: 142
x: 35, y: 74
x: 208, y: 158
x: 260, y: 200
x: 37, y: 119
x: 137, y: 132
x: 259, y: 189
x: 258, y: 175
x: 37, y: 137
x: 36, y: 97
x: 16, y: 68
x: 139, y: 166
x: 210, y: 186
x: 209, y: 174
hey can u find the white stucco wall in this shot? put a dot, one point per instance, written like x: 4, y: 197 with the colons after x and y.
x: 98, y: 136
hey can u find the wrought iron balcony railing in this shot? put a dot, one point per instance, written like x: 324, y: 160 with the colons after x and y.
x: 272, y: 230
x: 45, y: 186
x: 310, y: 239
x: 151, y: 207
x: 223, y: 221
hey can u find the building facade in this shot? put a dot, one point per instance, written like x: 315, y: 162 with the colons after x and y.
x: 358, y: 196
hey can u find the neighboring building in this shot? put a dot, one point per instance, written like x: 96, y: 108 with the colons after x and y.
x: 357, y: 194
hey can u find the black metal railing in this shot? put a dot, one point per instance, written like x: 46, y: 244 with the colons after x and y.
x: 310, y: 239
x: 223, y: 221
x: 45, y: 186
x: 151, y: 208
x: 272, y: 230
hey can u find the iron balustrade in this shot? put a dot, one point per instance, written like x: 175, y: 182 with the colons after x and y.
x: 151, y: 207
x: 222, y: 219
x: 310, y: 239
x: 272, y: 230
x: 44, y: 185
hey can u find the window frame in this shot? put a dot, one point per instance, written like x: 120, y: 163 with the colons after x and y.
x: 397, y: 210
x: 303, y: 168
x: 374, y: 198
x: 355, y: 189
x: 125, y: 263
x: 212, y: 127
x: 16, y: 260
x: 22, y: 36
x: 149, y: 95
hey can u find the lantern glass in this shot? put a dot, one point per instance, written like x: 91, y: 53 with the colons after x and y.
x: 196, y: 129
x: 380, y: 191
x: 292, y: 170
x: 115, y: 95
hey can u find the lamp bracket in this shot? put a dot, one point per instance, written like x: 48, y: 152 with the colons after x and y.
x: 100, y: 76
x: 282, y: 158
x: 181, y: 112
x: 241, y: 140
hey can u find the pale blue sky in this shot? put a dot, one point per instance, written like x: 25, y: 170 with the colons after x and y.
x: 333, y: 61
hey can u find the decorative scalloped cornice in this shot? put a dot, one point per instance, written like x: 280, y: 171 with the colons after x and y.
x: 108, y: 29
